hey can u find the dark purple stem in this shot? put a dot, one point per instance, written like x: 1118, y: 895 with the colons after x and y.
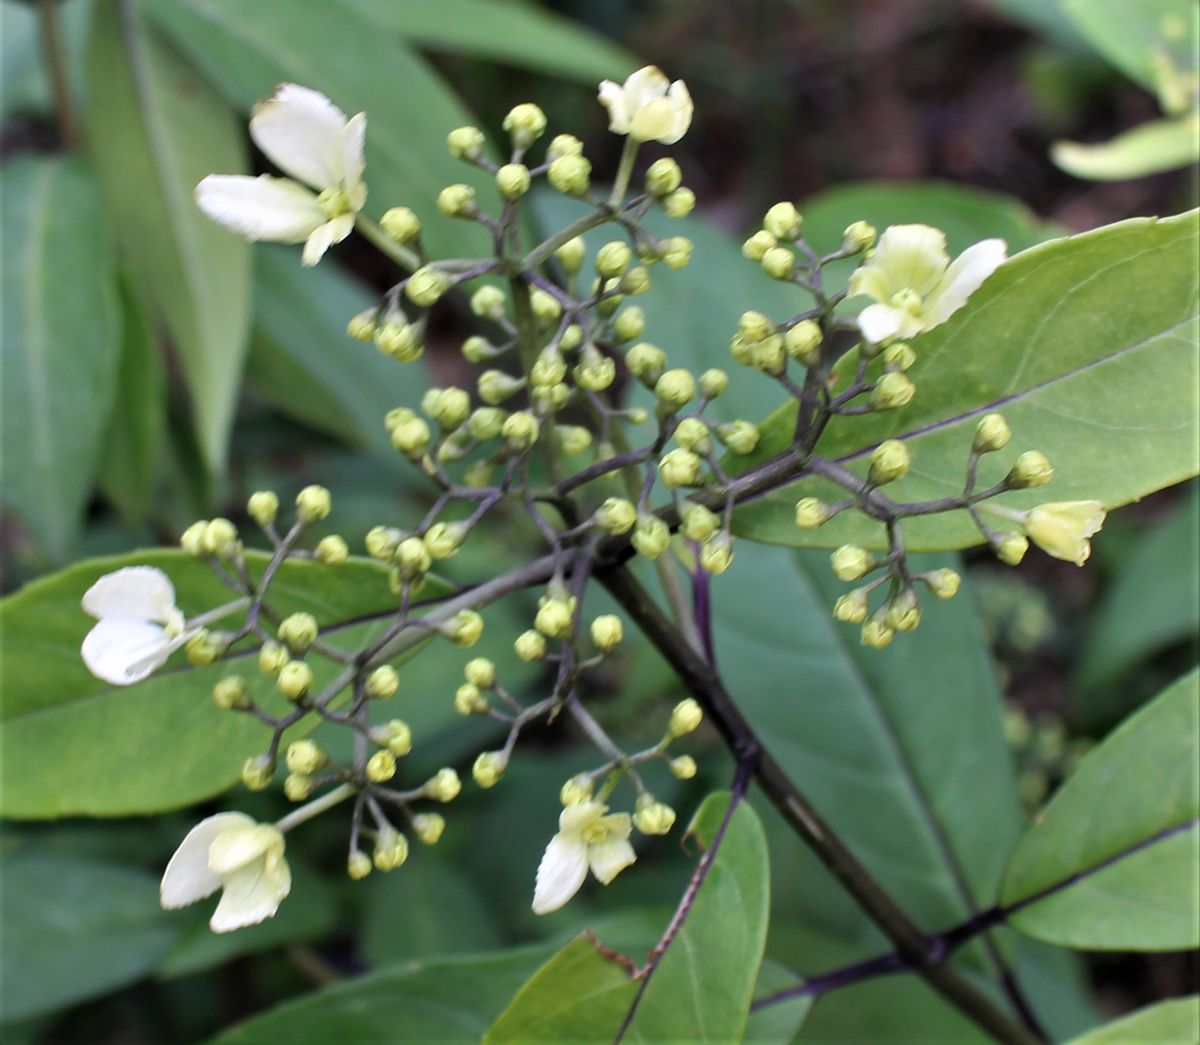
x: 702, y: 613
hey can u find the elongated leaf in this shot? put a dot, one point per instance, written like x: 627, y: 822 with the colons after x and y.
x: 73, y: 745
x: 1136, y: 34
x: 1088, y: 347
x: 1160, y: 145
x: 75, y: 928
x: 517, y: 33
x: 1112, y: 862
x: 1177, y: 1020
x: 157, y: 128
x: 61, y: 339
x: 248, y: 48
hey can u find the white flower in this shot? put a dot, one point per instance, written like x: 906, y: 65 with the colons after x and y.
x: 586, y: 838
x: 304, y: 134
x: 648, y: 107
x: 913, y: 282
x: 138, y: 625
x: 1062, y: 528
x: 234, y: 853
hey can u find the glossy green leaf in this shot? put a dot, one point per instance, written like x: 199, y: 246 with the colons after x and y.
x: 782, y: 1021
x: 62, y: 347
x: 518, y: 34
x: 1136, y: 34
x: 248, y: 48
x: 1173, y: 1022
x: 1160, y: 145
x: 1088, y: 347
x: 74, y: 746
x: 1112, y: 861
x: 75, y: 928
x: 453, y: 1000
x: 157, y: 128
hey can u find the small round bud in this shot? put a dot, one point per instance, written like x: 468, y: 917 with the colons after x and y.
x: 554, y: 619
x: 571, y: 254
x: 382, y: 541
x: 551, y: 400
x: 943, y: 583
x: 757, y: 245
x: 391, y: 850
x: 651, y: 817
x: 685, y: 718
x: 740, y: 436
x: 297, y: 787
x: 573, y: 439
x: 769, y: 356
x: 400, y: 341
x: 526, y: 123
x: 495, y: 386
x: 464, y: 628
x: 851, y: 562
x: 646, y: 362
x: 313, y: 504
x: 992, y: 433
x: 779, y: 263
x: 520, y: 430
x: 634, y: 283
x: 650, y: 536
x: 548, y: 369
x: 892, y: 390
x: 478, y: 349
x: 332, y: 550
x: 257, y: 772
x: 890, y: 460
x: 221, y: 539
x: 488, y: 302
x: 443, y: 539
x: 295, y: 679
x: 663, y: 177
x: 877, y: 633
x: 683, y: 767
x: 394, y: 735
x: 679, y: 203
x: 904, y: 613
x: 546, y: 308
x: 811, y: 512
x: 262, y: 507
x: 469, y: 700
x: 677, y: 252
x: 899, y: 356
x: 713, y: 383
x: 489, y: 767
x: 395, y: 417
x: 428, y: 827
x: 452, y: 407
x: 481, y: 672
x: 272, y: 657
x: 412, y: 438
x: 443, y: 786
x: 530, y: 646
x: 299, y: 631
x: 570, y: 175
x: 852, y: 607
x: 363, y: 326
x: 698, y: 524
x: 692, y: 434
x: 783, y: 221
x: 230, y: 693
x: 401, y: 224
x: 457, y: 201
x: 613, y: 259
x: 616, y: 515
x: 576, y: 790
x: 478, y: 474
x: 675, y: 388
x: 716, y: 555
x: 680, y: 467
x: 859, y: 236
x: 205, y: 648
x: 754, y: 326
x: 563, y: 145
x: 358, y: 865
x: 513, y: 180
x: 382, y: 683
x: 607, y: 632
x: 803, y: 342
x: 304, y: 757
x: 192, y: 539
x: 1031, y: 469
x: 466, y: 143
x: 426, y: 286
x: 381, y: 767
x: 1011, y: 549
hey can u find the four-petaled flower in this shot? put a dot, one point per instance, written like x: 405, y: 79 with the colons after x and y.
x: 1062, y: 528
x: 648, y: 107
x: 234, y: 853
x: 137, y: 624
x: 586, y: 838
x: 913, y: 283
x: 305, y: 135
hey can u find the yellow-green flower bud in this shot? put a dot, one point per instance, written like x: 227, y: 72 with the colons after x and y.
x: 740, y: 436
x: 412, y: 558
x: 646, y: 362
x: 554, y: 619
x: 489, y: 767
x: 769, y: 356
x: 443, y: 539
x: 295, y: 679
x: 478, y: 474
x: 488, y: 302
x: 382, y: 541
x: 572, y: 439
x: 382, y: 683
x: 358, y: 865
x: 548, y: 369
x: 570, y: 175
x: 551, y: 400
x: 679, y: 203
x: 513, y: 180
x: 675, y: 389
x: 652, y: 817
x: 546, y: 307
x: 634, y: 283
x: 892, y: 390
x: 851, y: 562
x: 890, y: 460
x: 457, y: 201
x: 877, y: 633
x: 304, y: 757
x: 899, y: 356
x: 804, y: 342
x: 464, y: 628
x: 466, y: 143
x: 526, y: 123
x: 677, y: 252
x: 651, y: 536
x: 613, y: 259
x: 530, y: 646
x: 607, y: 632
x: 783, y: 221
x: 692, y: 434
x: 680, y: 467
x: 754, y: 326
x: 205, y: 648
x: 192, y: 539
x: 1011, y: 549
x: 481, y: 672
x: 1031, y: 469
x: 395, y: 735
x: 400, y: 341
x: 297, y: 787
x: 495, y: 386
x: 713, y: 383
x: 221, y: 539
x: 716, y: 555
x: 443, y: 786
x: 469, y: 700
x: 391, y: 850
x: 852, y: 607
x: 571, y: 254
x: 663, y: 177
x: 412, y: 437
x: 381, y: 767
x: 364, y: 325
x: 563, y: 145
x: 577, y: 790
x: 332, y: 550
x: 859, y: 236
x: 943, y: 583
x: 428, y: 827
x: 992, y: 433
x: 811, y: 512
x: 757, y: 245
x: 616, y: 515
x: 230, y: 693
x: 698, y: 524
x: 1062, y: 528
x: 571, y: 338
x: 779, y: 263
x: 401, y: 224
x: 272, y: 657
x: 683, y: 767
x: 455, y: 446
x: 263, y: 507
x: 477, y: 349
x: 904, y: 613
x: 452, y: 408
x: 299, y: 631
x: 520, y: 430
x: 426, y: 286
x: 313, y: 504
x: 742, y: 350
x: 395, y: 417
x: 257, y: 772
x: 685, y: 718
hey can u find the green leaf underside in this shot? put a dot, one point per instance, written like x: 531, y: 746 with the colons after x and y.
x: 162, y: 743
x: 62, y: 347
x: 1116, y: 853
x: 1174, y: 1022
x: 1129, y: 34
x: 158, y: 128
x: 249, y: 48
x: 1160, y: 145
x: 1087, y: 345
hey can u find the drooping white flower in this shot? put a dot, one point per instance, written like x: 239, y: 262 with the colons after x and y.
x: 137, y: 625
x: 648, y: 107
x: 309, y: 138
x: 233, y: 853
x: 913, y: 283
x: 586, y: 838
x: 1062, y: 528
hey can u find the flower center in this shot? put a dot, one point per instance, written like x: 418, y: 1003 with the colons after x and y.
x: 595, y: 832
x: 334, y: 202
x: 174, y: 624
x: 907, y: 300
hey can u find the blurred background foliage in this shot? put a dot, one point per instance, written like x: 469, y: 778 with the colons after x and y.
x: 157, y: 369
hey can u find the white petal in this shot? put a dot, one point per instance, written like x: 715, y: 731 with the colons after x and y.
x: 869, y: 280
x: 241, y: 846
x: 644, y: 86
x: 121, y: 651
x: 912, y: 256
x: 609, y: 858
x: 681, y: 102
x: 878, y: 323
x: 353, y: 140
x: 302, y: 132
x: 139, y: 592
x: 963, y: 278
x: 276, y: 209
x: 188, y: 877
x: 252, y: 894
x: 574, y: 818
x: 325, y: 236
x: 560, y: 874
x: 612, y: 97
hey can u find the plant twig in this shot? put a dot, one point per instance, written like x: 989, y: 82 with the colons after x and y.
x: 56, y: 73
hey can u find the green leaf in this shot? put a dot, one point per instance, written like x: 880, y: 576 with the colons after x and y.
x: 157, y: 128
x: 24, y: 86
x: 1111, y: 862
x: 1177, y: 1020
x: 1160, y: 145
x: 1043, y: 16
x: 248, y: 48
x: 1131, y: 33
x: 62, y: 346
x: 781, y: 1021
x: 454, y: 1000
x: 519, y: 34
x: 302, y: 360
x: 75, y: 746
x: 73, y: 929
x: 1088, y: 346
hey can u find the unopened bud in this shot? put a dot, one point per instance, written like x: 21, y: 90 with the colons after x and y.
x: 331, y: 550
x: 698, y: 524
x: 443, y: 786
x: 890, y: 460
x: 613, y: 259
x: 495, y: 386
x: 675, y: 388
x: 526, y: 123
x: 572, y: 439
x: 358, y: 865
x: 394, y: 735
x: 992, y: 433
x: 679, y: 203
x: 299, y: 631
x: 391, y: 850
x: 740, y: 436
x: 811, y: 512
x: 904, y: 613
x: 464, y: 628
x: 783, y: 221
x: 563, y: 145
x: 469, y: 700
x: 1011, y: 549
x: 481, y: 672
x: 683, y: 767
x: 779, y: 263
x: 1031, y: 469
x: 304, y: 757
x: 630, y: 324
x: 230, y: 693
x: 530, y: 646
x: 677, y: 252
x: 489, y: 767
x: 262, y: 507
x: 545, y: 306
x: 852, y: 607
x: 428, y: 827
x: 943, y: 583
x: 520, y: 430
x: 513, y: 180
x: 899, y: 356
x: 466, y: 143
x: 607, y: 632
x: 859, y: 236
x: 685, y: 718
x: 651, y: 817
x: 383, y: 683
x: 646, y: 362
x: 804, y: 342
x: 257, y: 772
x: 651, y: 536
x: 381, y: 767
x: 877, y: 633
x: 295, y: 679
x: 457, y: 201
x: 663, y: 177
x: 571, y: 254
x: 192, y: 539
x: 426, y: 286
x: 313, y: 504
x: 272, y: 657
x: 713, y: 383
x: 297, y: 787
x: 221, y: 539
x: 554, y: 619
x: 634, y: 283
x: 488, y: 302
x: 892, y: 390
x: 757, y: 245
x: 851, y: 562
x: 576, y: 790
x: 570, y: 175
x: 443, y: 539
x: 716, y: 555
x: 401, y: 224
x: 680, y: 467
x: 363, y: 326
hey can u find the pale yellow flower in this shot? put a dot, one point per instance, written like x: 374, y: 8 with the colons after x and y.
x: 1062, y: 528
x: 648, y: 106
